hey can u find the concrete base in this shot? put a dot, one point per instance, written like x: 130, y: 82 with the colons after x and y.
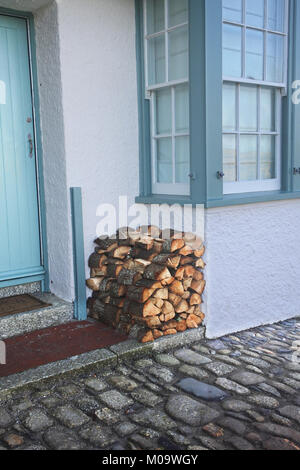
x: 59, y: 312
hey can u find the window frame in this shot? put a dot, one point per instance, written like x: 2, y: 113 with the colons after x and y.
x: 205, y: 78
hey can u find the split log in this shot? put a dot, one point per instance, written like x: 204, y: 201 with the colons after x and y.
x: 146, y: 336
x: 94, y: 283
x: 149, y: 322
x: 145, y: 243
x: 150, y: 230
x: 167, y: 282
x: 170, y: 246
x: 106, y: 244
x: 187, y: 283
x: 167, y: 317
x: 149, y: 309
x: 129, y: 277
x: 113, y: 270
x: 177, y: 288
x: 99, y: 272
x: 97, y: 260
x: 150, y: 284
x: 140, y: 294
x: 167, y: 260
x: 180, y: 274
x: 121, y: 252
x: 200, y: 263
x: 162, y: 294
x: 174, y: 299
x: 172, y: 331
x: 181, y: 326
x: 186, y: 251
x: 157, y: 334
x: 195, y: 299
x: 198, y: 286
x: 117, y: 290
x: 167, y: 308
x: 156, y: 273
x: 186, y: 260
x: 193, y: 321
x: 182, y: 307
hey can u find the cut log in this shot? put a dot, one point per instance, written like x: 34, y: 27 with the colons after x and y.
x: 113, y: 270
x: 117, y: 290
x: 200, y: 263
x: 186, y: 260
x: 121, y: 252
x: 139, y: 294
x: 146, y: 243
x: 180, y: 274
x: 193, y: 321
x: 198, y: 286
x: 167, y: 317
x: 167, y: 308
x: 94, y: 283
x: 157, y: 334
x: 170, y: 246
x: 97, y: 261
x: 157, y: 272
x: 200, y: 252
x: 177, y: 288
x: 170, y: 332
x: 129, y: 277
x: 146, y: 336
x: 186, y: 251
x: 149, y: 322
x: 167, y: 260
x: 148, y: 309
x: 150, y: 284
x: 99, y: 272
x: 162, y: 294
x: 168, y: 281
x: 195, y: 299
x: 187, y: 283
x: 150, y: 230
x: 181, y: 326
x: 157, y: 246
x: 182, y: 307
x: 106, y: 244
x: 186, y: 295
x: 174, y: 299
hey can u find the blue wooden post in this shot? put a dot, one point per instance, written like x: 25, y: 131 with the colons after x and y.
x: 80, y: 311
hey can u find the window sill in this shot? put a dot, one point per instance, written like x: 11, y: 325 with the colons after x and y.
x: 227, y: 200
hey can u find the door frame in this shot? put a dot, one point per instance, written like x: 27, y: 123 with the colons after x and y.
x: 43, y: 274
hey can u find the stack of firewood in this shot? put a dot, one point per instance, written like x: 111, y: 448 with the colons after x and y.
x: 147, y: 283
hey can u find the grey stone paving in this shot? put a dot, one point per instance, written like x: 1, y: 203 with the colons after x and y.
x: 239, y: 392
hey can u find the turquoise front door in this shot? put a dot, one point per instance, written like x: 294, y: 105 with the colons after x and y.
x: 20, y: 246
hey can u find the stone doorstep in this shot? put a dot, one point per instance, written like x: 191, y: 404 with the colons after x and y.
x: 58, y: 313
x: 101, y: 358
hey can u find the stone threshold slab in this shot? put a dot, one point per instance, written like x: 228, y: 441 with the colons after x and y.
x: 100, y: 358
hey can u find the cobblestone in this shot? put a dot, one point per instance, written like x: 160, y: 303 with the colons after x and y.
x: 238, y: 392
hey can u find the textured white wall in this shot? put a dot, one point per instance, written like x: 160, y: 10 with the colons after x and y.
x: 53, y: 140
x: 253, y: 270
x: 98, y: 66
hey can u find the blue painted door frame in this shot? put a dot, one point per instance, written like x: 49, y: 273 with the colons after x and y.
x: 23, y: 250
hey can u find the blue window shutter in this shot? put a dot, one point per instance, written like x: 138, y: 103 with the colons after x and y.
x: 143, y: 107
x: 214, y: 151
x: 197, y: 100
x: 296, y: 107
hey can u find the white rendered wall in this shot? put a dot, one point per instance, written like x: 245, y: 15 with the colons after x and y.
x: 54, y: 160
x: 253, y: 270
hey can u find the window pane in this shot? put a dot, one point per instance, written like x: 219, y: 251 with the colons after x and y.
x: 276, y: 15
x: 164, y: 161
x: 254, y: 54
x: 232, y: 47
x: 156, y: 60
x: 267, y: 111
x: 232, y: 10
x: 229, y: 107
x: 163, y: 112
x: 155, y: 16
x: 182, y: 109
x: 275, y: 58
x: 248, y: 108
x: 248, y: 158
x: 178, y: 54
x: 182, y: 159
x: 178, y: 12
x: 229, y: 158
x: 267, y: 156
x: 255, y: 13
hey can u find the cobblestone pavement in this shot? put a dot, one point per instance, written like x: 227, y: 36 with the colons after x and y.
x: 240, y: 392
